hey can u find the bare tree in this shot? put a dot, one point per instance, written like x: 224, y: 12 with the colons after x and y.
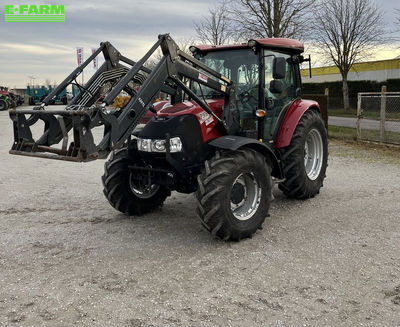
x: 345, y: 30
x: 398, y: 19
x: 47, y: 82
x: 215, y: 28
x: 271, y: 18
x: 183, y: 44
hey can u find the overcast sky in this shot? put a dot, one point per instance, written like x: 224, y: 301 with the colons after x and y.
x: 48, y: 50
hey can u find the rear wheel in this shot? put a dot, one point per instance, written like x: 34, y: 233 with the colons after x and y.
x: 3, y: 105
x: 234, y: 194
x: 305, y: 159
x: 124, y: 192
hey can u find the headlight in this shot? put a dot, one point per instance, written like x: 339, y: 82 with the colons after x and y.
x: 175, y: 144
x: 149, y: 145
x: 144, y: 145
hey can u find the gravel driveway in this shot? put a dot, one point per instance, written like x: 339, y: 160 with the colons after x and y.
x: 68, y: 259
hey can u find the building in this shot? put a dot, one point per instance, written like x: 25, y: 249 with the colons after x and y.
x: 19, y: 91
x: 378, y: 71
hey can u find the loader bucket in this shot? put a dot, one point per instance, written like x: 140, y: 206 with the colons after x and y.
x: 88, y: 128
x: 67, y: 134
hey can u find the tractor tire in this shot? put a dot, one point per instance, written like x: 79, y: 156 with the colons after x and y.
x: 234, y: 194
x: 122, y: 192
x: 306, y: 158
x: 3, y: 104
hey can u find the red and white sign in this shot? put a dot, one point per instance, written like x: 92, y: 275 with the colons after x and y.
x: 79, y: 55
x: 95, y: 60
x: 203, y: 78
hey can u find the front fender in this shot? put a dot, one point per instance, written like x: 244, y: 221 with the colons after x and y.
x: 292, y: 118
x: 232, y: 142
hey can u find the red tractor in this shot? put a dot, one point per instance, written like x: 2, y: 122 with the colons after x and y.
x: 9, y: 99
x: 234, y: 125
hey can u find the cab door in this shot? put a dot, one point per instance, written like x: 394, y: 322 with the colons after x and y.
x: 276, y: 101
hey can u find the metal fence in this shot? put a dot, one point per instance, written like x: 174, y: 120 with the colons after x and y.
x: 378, y: 116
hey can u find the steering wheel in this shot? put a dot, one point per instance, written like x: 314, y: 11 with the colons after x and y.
x: 247, y: 100
x: 213, y: 94
x: 247, y: 94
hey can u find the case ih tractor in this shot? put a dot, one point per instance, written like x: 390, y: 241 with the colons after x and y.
x: 234, y: 125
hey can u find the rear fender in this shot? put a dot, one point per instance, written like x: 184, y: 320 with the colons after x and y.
x: 232, y: 142
x: 292, y: 118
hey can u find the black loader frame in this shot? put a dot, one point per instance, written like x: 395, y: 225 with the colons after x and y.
x: 88, y: 110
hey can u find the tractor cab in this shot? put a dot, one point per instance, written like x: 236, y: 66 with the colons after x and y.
x: 266, y: 77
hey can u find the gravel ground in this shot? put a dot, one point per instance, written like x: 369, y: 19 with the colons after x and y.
x: 68, y: 259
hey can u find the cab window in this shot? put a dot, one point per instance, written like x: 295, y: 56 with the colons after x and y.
x: 288, y: 82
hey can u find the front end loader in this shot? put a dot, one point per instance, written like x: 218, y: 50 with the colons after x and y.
x: 234, y: 124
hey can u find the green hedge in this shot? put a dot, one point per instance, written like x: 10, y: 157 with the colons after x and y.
x: 335, y: 90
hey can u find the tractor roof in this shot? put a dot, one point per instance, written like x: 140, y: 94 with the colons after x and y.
x: 286, y: 45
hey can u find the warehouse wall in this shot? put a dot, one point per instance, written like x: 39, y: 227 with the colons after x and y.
x: 367, y: 71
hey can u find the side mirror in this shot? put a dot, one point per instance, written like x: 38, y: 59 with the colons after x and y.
x: 279, y: 68
x: 276, y: 86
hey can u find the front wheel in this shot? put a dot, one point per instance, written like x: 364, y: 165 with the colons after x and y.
x: 234, y: 194
x: 125, y: 192
x: 3, y: 105
x: 305, y: 159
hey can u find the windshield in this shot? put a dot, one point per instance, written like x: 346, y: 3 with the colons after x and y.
x: 241, y: 66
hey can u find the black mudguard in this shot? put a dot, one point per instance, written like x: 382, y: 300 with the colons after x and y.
x: 233, y: 142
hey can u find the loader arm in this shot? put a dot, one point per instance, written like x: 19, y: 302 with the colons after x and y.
x: 68, y: 134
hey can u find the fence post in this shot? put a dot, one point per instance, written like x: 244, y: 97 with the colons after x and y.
x: 383, y: 114
x: 358, y: 116
x: 326, y: 93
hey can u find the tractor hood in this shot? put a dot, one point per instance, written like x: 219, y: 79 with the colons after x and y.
x: 206, y: 122
x: 190, y: 107
x: 165, y: 109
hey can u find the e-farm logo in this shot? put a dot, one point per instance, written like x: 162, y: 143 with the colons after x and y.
x: 34, y: 13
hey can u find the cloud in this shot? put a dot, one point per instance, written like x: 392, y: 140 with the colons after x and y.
x: 47, y: 50
x: 33, y: 49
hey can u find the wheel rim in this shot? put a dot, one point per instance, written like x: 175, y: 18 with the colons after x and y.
x: 313, y: 154
x: 245, y: 196
x: 142, y: 189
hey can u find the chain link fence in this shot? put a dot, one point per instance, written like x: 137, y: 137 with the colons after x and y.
x: 378, y: 116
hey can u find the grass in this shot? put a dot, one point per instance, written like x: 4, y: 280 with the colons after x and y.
x: 342, y: 113
x: 348, y: 133
x: 342, y: 133
x: 367, y: 115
